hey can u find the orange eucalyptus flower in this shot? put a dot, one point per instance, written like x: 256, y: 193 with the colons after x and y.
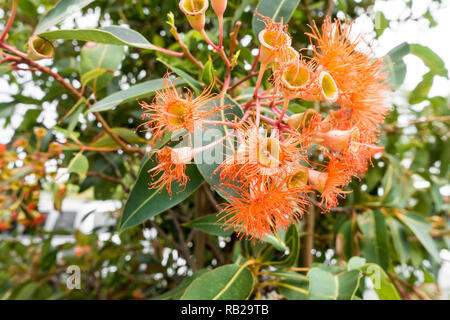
x: 2, y: 148
x: 354, y: 150
x: 264, y: 206
x: 260, y: 154
x: 360, y: 76
x: 170, y: 112
x: 338, y: 140
x: 330, y: 182
x: 171, y: 168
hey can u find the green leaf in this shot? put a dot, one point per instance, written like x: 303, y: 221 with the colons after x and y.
x: 344, y: 239
x: 114, y: 35
x: 431, y: 59
x: 59, y: 12
x: 422, y: 89
x: 27, y: 292
x: 209, y: 160
x: 421, y: 229
x: 355, y: 263
x: 229, y: 282
x: 137, y: 91
x: 293, y: 285
x: 382, y: 283
x: 397, y: 186
x: 144, y: 203
x: 207, y: 75
x: 324, y: 285
x: 276, y: 241
x: 178, y: 291
x: 96, y: 56
x: 375, y: 244
x: 210, y: 225
x: 79, y: 164
x: 194, y: 84
x: 92, y: 75
x: 274, y: 10
x: 395, y: 65
x: 399, y: 239
x: 381, y: 23
x: 105, y: 140
x: 292, y: 241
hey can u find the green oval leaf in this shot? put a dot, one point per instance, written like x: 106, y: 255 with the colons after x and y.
x: 399, y: 239
x: 210, y: 225
x: 144, y: 203
x: 381, y: 282
x: 105, y: 140
x: 79, y: 164
x: 430, y: 58
x: 59, y: 12
x: 421, y: 229
x: 229, y: 282
x: 327, y: 286
x: 209, y: 160
x: 375, y: 244
x: 194, y: 84
x: 137, y: 91
x: 99, y: 57
x: 293, y: 285
x: 107, y: 35
x: 396, y: 67
x: 178, y: 291
x: 274, y: 10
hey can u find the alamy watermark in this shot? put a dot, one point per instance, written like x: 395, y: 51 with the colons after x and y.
x: 74, y: 279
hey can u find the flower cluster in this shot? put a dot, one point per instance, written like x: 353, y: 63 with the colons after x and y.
x: 279, y: 158
x: 20, y: 172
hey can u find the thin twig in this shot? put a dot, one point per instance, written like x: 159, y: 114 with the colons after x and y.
x: 183, y: 244
x: 12, y: 16
x: 111, y: 179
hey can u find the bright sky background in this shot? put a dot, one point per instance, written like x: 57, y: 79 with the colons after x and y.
x: 437, y: 38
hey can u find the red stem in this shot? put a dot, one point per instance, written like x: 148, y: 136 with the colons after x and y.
x: 10, y: 20
x: 170, y: 52
x: 208, y: 40
x: 220, y: 31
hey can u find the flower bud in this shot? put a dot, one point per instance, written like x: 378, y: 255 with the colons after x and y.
x: 40, y: 132
x: 300, y: 120
x: 317, y: 179
x: 272, y: 41
x: 219, y: 6
x: 39, y: 48
x: 294, y: 79
x: 337, y: 140
x: 369, y: 149
x: 299, y: 179
x: 195, y: 12
x: 182, y: 155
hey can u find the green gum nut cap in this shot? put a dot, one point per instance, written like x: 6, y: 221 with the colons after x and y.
x: 39, y: 48
x: 299, y: 120
x: 270, y: 42
x: 195, y: 12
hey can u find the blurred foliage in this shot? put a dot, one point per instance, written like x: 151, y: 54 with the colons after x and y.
x: 392, y: 225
